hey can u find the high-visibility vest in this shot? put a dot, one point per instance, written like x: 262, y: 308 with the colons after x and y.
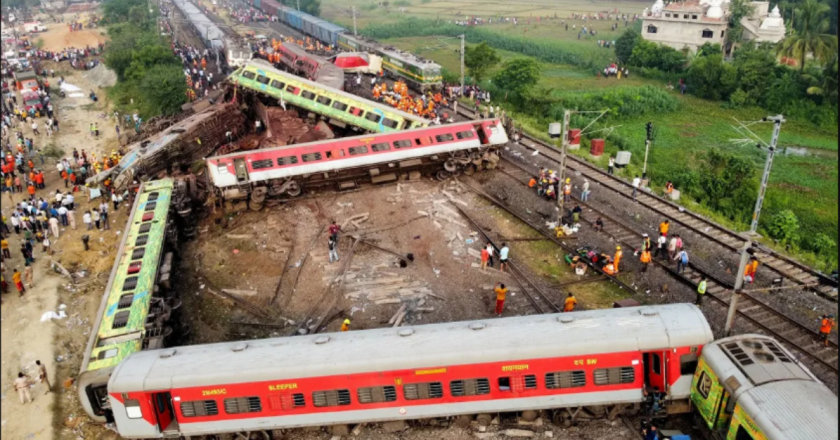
x: 701, y: 288
x: 645, y: 257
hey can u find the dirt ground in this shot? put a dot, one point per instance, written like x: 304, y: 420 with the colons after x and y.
x: 58, y: 36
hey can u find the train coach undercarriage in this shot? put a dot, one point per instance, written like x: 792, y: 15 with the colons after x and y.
x: 560, y: 417
x: 441, y: 166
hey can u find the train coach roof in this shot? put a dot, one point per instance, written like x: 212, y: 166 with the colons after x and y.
x: 781, y: 395
x: 792, y: 410
x: 267, y: 67
x: 429, y: 346
x: 206, y: 28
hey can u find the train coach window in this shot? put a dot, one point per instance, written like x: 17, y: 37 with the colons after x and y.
x: 380, y: 147
x: 356, y: 111
x: 262, y: 164
x: 150, y: 206
x: 199, y: 408
x: 263, y: 79
x: 125, y: 301
x: 121, y: 319
x: 518, y: 383
x: 138, y: 253
x: 308, y: 95
x: 311, y: 157
x: 153, y: 196
x: 425, y: 140
x: 145, y: 228
x: 469, y: 387
x: 743, y: 434
x: 132, y: 409
x: 130, y: 283
x: 465, y: 135
x: 286, y: 402
x: 240, y: 405
x: 446, y: 137
x: 688, y: 364
x: 324, y: 100
x: 331, y: 398
x: 277, y: 84
x: 565, y: 379
x: 340, y: 106
x: 419, y: 391
x: 288, y: 160
x: 141, y: 240
x: 373, y: 117
x: 377, y: 394
x: 390, y: 123
x: 335, y: 153
x: 292, y: 89
x: 402, y: 144
x: 358, y: 150
x: 249, y: 75
x: 615, y: 376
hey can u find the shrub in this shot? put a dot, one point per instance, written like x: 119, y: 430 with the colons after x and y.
x: 784, y: 227
x: 739, y: 98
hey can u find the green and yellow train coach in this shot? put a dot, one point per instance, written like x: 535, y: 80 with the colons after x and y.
x: 419, y: 73
x: 122, y: 326
x: 340, y: 107
x: 749, y: 387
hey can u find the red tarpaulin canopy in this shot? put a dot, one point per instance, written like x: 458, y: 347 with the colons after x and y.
x: 352, y: 60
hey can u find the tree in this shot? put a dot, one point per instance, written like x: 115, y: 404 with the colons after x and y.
x: 149, y: 56
x: 163, y: 89
x: 120, y: 11
x: 784, y: 90
x: 645, y: 54
x: 738, y: 9
x: 784, y: 227
x: 756, y: 67
x: 727, y: 184
x: 810, y: 35
x: 518, y: 75
x: 625, y: 44
x: 824, y: 84
x: 479, y: 60
x: 118, y: 54
x: 670, y: 59
x: 822, y: 244
x: 709, y: 50
x: 711, y: 78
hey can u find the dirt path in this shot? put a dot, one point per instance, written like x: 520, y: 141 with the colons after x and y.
x: 26, y: 339
x: 58, y: 37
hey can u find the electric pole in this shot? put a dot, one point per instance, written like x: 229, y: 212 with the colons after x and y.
x: 745, y: 251
x: 355, y: 34
x: 463, y: 45
x: 649, y: 128
x: 560, y: 133
x: 298, y: 5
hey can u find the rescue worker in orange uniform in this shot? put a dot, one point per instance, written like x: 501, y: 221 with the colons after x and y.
x: 752, y: 268
x: 645, y: 259
x: 664, y: 227
x: 345, y: 326
x: 826, y: 326
x: 570, y: 303
x: 617, y: 258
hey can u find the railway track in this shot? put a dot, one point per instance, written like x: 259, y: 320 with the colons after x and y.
x: 760, y: 315
x: 535, y: 295
x: 786, y: 267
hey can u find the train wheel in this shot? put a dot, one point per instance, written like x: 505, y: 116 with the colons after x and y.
x: 443, y: 175
x: 470, y: 169
x: 451, y: 165
x: 530, y: 416
x: 484, y: 419
x: 294, y: 189
x: 255, y: 206
x: 463, y: 420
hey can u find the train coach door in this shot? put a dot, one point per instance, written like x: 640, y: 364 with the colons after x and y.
x: 241, y: 170
x: 167, y: 424
x: 654, y: 363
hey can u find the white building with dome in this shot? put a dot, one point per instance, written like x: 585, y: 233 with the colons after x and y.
x: 692, y: 23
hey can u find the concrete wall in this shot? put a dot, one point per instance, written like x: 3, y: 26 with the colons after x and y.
x: 681, y: 33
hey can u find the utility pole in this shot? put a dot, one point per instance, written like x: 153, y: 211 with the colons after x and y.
x: 745, y: 254
x: 560, y: 133
x: 298, y: 5
x: 649, y: 128
x: 355, y: 34
x: 463, y: 45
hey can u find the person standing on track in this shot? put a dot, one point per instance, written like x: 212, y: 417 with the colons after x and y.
x: 332, y: 244
x: 617, y: 258
x: 645, y: 259
x: 570, y: 303
x: 611, y: 166
x: 661, y: 247
x: 664, y: 227
x: 752, y: 268
x: 826, y: 325
x: 701, y: 290
x: 503, y: 257
x: 682, y: 261
x: 501, y: 295
x: 490, y: 251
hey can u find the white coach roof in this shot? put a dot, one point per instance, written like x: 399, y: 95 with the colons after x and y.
x: 781, y: 395
x: 427, y: 346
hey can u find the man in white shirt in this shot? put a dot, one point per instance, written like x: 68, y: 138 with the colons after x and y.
x: 503, y: 257
x: 637, y: 182
x: 661, y: 247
